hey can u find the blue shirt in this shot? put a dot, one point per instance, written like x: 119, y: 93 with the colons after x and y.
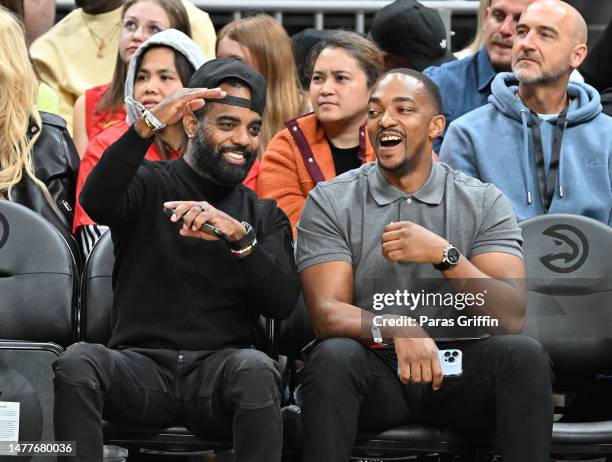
x: 465, y: 85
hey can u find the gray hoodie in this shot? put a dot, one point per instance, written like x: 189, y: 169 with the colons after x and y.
x: 495, y: 143
x: 171, y: 38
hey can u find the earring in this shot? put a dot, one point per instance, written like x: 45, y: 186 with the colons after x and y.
x: 190, y: 135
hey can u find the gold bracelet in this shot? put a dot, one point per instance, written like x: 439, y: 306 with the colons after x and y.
x: 245, y: 251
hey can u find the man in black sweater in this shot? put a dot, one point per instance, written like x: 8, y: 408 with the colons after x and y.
x: 186, y: 302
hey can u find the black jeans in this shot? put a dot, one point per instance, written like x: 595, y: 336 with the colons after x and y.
x: 506, y: 385
x: 226, y: 392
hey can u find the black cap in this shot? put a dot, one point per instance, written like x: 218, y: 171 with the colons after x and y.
x: 412, y: 31
x: 304, y: 41
x: 213, y: 72
x: 302, y: 44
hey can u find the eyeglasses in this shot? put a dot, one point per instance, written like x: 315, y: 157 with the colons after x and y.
x: 130, y: 26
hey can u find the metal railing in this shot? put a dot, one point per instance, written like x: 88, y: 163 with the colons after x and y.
x: 318, y: 8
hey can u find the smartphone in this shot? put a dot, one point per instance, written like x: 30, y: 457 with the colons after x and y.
x: 451, y: 362
x: 206, y: 227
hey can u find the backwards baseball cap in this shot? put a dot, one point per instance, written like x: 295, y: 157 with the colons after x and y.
x: 412, y: 31
x: 212, y: 73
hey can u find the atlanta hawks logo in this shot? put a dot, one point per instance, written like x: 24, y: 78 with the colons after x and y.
x: 573, y: 249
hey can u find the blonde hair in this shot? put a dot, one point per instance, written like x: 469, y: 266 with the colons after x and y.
x: 271, y: 50
x: 18, y: 93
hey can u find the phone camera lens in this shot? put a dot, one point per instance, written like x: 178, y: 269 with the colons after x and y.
x: 451, y: 359
x: 455, y: 353
x: 446, y: 354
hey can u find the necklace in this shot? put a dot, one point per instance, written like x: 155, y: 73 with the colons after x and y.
x: 100, y: 42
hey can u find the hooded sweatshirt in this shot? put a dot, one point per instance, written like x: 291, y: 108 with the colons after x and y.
x: 495, y: 143
x: 170, y: 38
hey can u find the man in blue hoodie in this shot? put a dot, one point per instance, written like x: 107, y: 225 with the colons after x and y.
x: 542, y: 139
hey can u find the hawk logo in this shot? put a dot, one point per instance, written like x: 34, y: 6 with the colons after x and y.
x: 573, y: 249
x: 4, y: 230
x: 443, y: 43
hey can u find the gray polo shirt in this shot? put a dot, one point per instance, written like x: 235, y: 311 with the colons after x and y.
x: 343, y: 220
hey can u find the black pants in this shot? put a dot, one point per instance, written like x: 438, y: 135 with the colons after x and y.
x: 506, y: 385
x: 227, y: 392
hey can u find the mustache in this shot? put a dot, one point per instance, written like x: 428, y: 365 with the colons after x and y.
x: 499, y: 40
x: 524, y: 55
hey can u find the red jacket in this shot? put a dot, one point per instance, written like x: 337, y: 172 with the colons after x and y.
x: 97, y: 121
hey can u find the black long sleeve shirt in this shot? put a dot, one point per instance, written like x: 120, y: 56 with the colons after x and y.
x: 178, y: 292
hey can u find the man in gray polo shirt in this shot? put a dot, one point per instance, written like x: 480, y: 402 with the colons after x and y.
x: 386, y: 234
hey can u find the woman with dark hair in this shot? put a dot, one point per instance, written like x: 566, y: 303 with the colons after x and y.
x: 161, y: 65
x: 102, y: 106
x: 319, y: 146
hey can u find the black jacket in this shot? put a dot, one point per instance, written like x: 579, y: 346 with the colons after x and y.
x: 56, y: 164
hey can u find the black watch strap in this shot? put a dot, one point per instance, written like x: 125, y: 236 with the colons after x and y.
x: 450, y: 258
x: 444, y: 265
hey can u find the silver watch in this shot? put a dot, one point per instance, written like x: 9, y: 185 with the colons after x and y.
x: 151, y: 121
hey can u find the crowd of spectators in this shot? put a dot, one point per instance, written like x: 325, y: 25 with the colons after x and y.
x: 359, y: 141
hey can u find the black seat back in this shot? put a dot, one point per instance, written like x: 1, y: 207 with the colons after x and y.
x: 97, y: 292
x: 38, y: 282
x: 568, y: 260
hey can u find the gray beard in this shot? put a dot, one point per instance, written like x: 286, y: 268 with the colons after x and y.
x: 544, y: 77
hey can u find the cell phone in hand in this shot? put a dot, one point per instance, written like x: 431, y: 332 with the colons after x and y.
x: 451, y: 362
x: 206, y: 227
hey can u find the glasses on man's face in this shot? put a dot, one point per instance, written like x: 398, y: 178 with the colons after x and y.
x: 130, y: 26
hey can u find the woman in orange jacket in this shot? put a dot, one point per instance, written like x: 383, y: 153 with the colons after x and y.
x: 333, y: 139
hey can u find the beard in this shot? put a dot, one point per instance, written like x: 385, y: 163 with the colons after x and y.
x: 398, y: 166
x: 552, y: 74
x: 211, y: 162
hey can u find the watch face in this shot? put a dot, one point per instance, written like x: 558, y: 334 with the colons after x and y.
x: 452, y: 256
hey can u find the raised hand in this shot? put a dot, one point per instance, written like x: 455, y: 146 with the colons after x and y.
x: 173, y: 107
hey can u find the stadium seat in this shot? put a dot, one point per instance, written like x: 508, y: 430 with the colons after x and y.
x: 38, y: 300
x: 569, y: 310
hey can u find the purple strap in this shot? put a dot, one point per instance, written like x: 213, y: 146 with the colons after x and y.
x: 306, y: 152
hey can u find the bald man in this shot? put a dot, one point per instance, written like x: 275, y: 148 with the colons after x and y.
x: 542, y: 139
